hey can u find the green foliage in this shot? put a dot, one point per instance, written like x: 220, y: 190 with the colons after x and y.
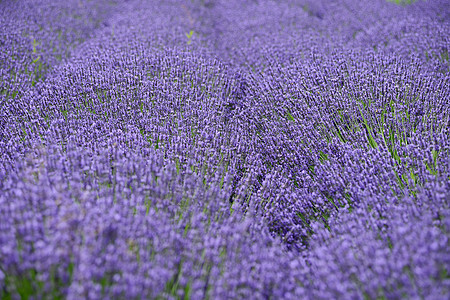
x: 402, y: 2
x: 174, y: 288
x: 189, y: 36
x: 29, y: 286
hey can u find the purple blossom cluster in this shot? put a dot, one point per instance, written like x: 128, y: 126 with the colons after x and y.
x: 222, y: 149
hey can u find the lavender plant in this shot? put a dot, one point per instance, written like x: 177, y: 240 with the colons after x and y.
x: 224, y: 149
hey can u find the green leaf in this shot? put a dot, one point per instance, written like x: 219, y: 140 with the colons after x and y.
x: 190, y: 34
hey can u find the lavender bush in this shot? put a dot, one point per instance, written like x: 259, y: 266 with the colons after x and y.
x: 221, y: 149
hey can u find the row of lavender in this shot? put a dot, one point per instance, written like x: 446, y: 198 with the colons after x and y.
x: 225, y: 149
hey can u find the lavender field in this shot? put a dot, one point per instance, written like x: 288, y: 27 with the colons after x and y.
x: 224, y: 149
